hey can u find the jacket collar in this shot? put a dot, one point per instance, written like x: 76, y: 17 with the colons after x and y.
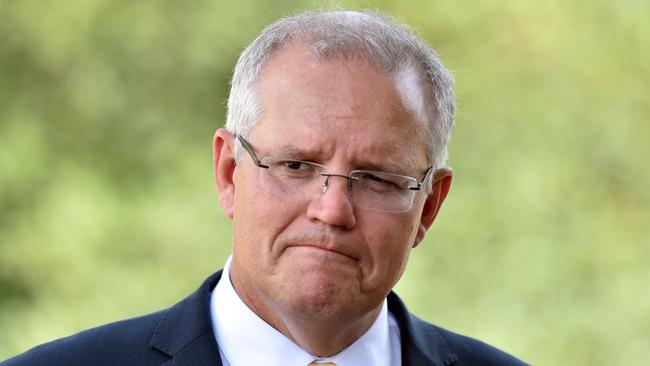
x: 185, y: 333
x: 422, y: 343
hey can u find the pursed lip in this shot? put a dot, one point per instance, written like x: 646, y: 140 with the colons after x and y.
x: 324, y: 248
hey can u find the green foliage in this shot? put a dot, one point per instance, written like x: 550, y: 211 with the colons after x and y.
x: 107, y: 207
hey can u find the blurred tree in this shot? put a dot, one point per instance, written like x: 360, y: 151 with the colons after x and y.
x: 107, y: 208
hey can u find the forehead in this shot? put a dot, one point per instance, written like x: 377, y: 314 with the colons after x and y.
x: 332, y: 105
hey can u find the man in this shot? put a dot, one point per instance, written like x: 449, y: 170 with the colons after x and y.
x: 332, y: 168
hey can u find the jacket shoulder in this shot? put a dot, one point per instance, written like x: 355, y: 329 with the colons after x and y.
x: 471, y: 351
x: 124, y: 342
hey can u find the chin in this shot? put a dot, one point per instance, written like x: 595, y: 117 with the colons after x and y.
x: 325, y: 299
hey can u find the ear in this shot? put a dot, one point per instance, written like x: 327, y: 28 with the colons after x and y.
x: 440, y: 187
x: 224, y: 170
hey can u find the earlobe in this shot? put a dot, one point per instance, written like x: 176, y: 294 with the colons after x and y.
x: 440, y: 188
x: 224, y: 170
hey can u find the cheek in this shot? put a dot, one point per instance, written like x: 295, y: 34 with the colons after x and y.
x: 250, y: 224
x: 392, y: 232
x: 390, y: 240
x: 258, y: 219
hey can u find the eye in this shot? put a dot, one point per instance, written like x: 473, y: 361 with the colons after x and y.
x: 295, y: 165
x: 294, y: 169
x: 379, y: 182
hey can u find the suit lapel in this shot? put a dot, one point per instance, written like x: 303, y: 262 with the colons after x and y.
x: 185, y: 332
x: 422, y: 344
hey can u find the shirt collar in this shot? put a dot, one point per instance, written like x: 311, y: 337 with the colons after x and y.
x: 245, y: 339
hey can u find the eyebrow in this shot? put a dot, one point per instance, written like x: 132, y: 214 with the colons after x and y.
x: 296, y: 153
x: 385, y: 167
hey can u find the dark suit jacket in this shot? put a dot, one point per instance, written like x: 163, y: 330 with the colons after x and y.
x: 182, y: 335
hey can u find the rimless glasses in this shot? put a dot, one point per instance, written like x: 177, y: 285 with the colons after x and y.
x: 367, y: 189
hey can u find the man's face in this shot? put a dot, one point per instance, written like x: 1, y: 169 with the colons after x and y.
x: 324, y: 258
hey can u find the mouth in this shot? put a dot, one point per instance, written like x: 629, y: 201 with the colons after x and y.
x: 322, y: 251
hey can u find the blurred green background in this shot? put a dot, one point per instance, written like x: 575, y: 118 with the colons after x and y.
x: 107, y: 206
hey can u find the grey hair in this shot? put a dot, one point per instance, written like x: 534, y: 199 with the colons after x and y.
x: 424, y: 85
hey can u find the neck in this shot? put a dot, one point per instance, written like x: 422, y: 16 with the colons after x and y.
x: 321, y: 333
x: 320, y: 337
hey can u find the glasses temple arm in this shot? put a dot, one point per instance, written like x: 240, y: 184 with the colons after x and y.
x: 249, y: 150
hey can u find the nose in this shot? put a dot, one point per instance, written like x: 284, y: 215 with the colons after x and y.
x: 333, y: 206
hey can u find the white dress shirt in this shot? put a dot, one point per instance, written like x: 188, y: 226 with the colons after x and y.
x: 245, y: 339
